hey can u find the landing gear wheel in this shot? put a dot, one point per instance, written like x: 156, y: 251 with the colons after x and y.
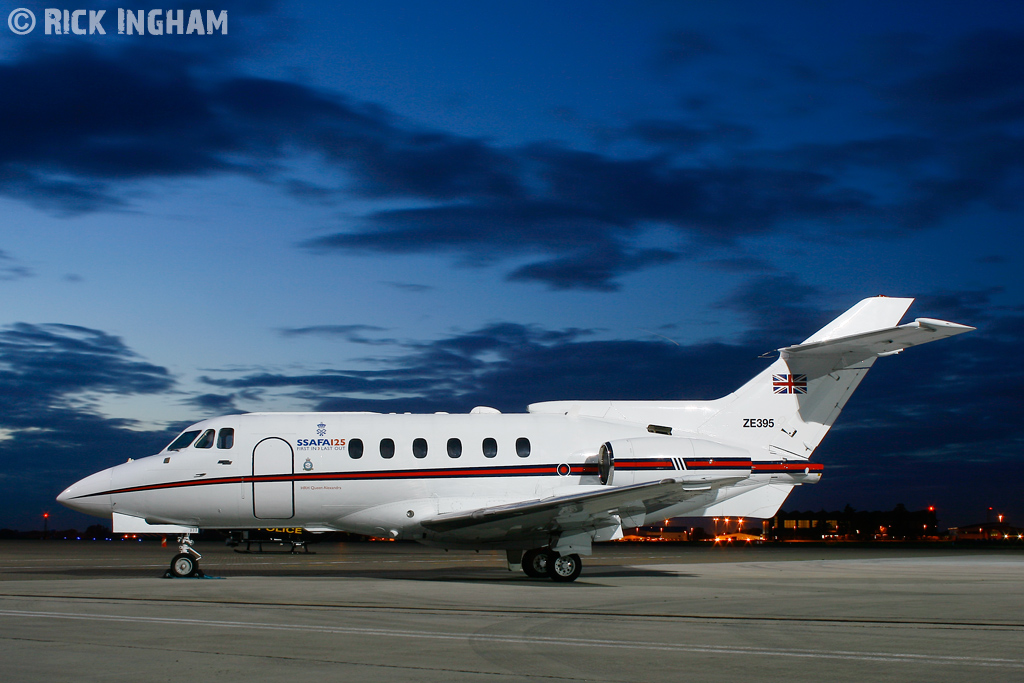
x: 184, y: 565
x: 564, y: 568
x: 535, y: 563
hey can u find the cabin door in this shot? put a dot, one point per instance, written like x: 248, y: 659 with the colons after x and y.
x: 273, y: 489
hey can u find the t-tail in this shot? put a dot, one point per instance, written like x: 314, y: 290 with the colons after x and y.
x: 785, y: 411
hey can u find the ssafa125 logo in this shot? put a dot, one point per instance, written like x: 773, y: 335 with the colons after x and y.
x: 155, y: 22
x: 321, y: 443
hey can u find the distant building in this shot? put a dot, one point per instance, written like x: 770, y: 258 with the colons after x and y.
x: 898, y: 524
x: 738, y: 537
x: 989, y: 531
x: 676, y: 529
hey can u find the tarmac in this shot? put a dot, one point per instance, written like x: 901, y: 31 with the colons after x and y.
x: 95, y: 610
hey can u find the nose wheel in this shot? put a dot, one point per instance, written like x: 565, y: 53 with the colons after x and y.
x: 186, y: 563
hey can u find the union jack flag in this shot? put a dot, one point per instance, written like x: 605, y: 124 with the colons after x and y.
x: 789, y: 384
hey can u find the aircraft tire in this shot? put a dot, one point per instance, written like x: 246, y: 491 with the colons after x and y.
x: 184, y: 565
x: 564, y: 568
x: 535, y: 563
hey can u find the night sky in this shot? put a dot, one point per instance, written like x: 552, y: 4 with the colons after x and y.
x: 398, y: 206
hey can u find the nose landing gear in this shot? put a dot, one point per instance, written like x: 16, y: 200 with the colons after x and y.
x: 186, y: 563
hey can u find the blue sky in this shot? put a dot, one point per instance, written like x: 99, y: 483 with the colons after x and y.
x: 407, y: 206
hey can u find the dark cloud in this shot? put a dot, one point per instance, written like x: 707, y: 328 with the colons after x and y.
x: 352, y: 333
x: 778, y: 310
x: 741, y: 264
x: 509, y: 365
x: 76, y: 124
x: 992, y: 260
x: 409, y: 287
x: 962, y: 103
x: 590, y: 208
x: 218, y: 404
x: 973, y: 82
x: 717, y: 204
x: 487, y: 229
x: 94, y: 119
x: 680, y: 48
x: 683, y: 137
x: 49, y: 377
x: 11, y: 269
x: 595, y: 269
x: 583, y: 211
x: 42, y: 366
x: 978, y: 306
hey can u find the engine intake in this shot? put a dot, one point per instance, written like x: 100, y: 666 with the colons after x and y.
x: 606, y: 463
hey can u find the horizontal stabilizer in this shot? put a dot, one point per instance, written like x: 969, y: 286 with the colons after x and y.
x: 879, y: 342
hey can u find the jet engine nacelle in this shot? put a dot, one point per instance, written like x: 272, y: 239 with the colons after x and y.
x: 690, y: 459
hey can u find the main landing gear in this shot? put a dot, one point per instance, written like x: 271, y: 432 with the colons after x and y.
x: 544, y: 562
x: 186, y: 563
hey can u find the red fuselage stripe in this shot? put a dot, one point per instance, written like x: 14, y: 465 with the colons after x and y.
x: 468, y: 472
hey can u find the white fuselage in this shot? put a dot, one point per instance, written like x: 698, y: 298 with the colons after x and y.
x: 301, y: 469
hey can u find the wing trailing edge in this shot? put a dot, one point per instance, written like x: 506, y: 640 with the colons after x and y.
x: 598, y: 514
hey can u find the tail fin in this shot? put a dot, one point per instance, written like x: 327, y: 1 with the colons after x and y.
x: 785, y: 411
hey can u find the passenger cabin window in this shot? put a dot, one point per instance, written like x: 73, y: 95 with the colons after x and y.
x: 490, y: 447
x: 523, y: 447
x: 355, y: 449
x: 206, y: 440
x: 387, y: 448
x: 454, y: 448
x: 226, y: 438
x: 183, y: 441
x: 419, y: 448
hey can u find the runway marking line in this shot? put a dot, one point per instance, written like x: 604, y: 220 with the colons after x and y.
x: 888, y: 657
x: 512, y: 611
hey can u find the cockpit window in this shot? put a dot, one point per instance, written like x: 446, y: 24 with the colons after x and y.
x: 206, y: 440
x: 183, y: 441
x: 226, y: 438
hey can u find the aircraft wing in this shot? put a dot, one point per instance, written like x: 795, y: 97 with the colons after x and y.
x: 602, y: 513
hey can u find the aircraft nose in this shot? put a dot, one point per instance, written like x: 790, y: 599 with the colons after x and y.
x: 90, y: 495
